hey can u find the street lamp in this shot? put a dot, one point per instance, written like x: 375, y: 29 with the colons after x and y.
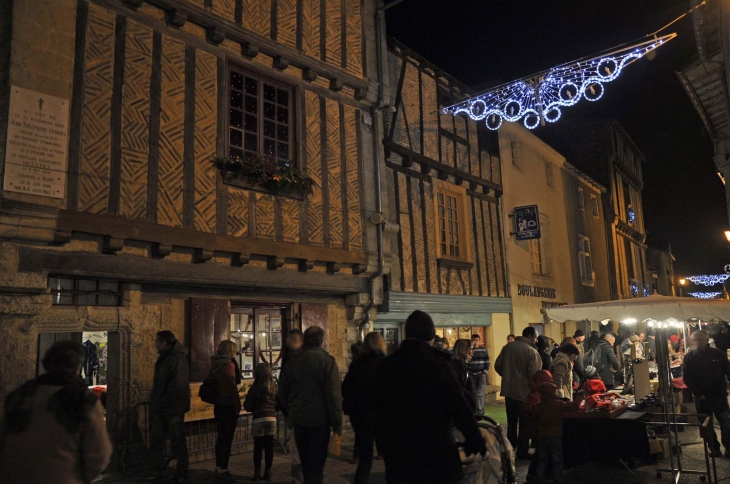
x: 727, y: 235
x: 683, y: 282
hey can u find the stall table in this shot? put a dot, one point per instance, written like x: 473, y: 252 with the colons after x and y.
x: 621, y: 438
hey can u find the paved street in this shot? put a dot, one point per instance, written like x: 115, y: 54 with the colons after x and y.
x: 340, y: 471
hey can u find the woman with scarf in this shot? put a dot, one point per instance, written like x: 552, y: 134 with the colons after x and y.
x: 53, y: 429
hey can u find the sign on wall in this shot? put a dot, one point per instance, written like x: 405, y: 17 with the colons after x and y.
x: 527, y: 222
x: 36, y: 149
x: 199, y: 410
x: 535, y: 291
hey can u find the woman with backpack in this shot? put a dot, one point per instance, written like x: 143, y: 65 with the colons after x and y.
x: 261, y: 402
x: 227, y: 407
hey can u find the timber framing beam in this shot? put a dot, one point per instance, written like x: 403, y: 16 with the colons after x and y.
x: 254, y: 43
x: 119, y: 229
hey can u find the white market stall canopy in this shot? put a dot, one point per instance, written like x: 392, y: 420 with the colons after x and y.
x: 659, y: 310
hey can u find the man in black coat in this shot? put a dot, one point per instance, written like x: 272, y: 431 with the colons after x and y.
x: 169, y: 402
x: 608, y: 364
x: 706, y: 371
x: 419, y: 402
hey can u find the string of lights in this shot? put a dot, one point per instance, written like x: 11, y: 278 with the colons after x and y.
x: 705, y: 295
x: 539, y: 98
x: 709, y: 280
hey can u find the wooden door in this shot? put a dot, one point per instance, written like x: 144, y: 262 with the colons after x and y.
x: 208, y: 327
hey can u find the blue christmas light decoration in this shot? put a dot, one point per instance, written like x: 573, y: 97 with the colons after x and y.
x: 632, y: 215
x: 634, y: 286
x: 709, y: 280
x: 647, y: 290
x: 538, y: 98
x: 705, y: 295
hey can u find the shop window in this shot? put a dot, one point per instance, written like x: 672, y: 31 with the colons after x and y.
x: 581, y: 199
x: 549, y: 174
x: 584, y: 258
x: 259, y: 334
x: 76, y: 291
x: 452, y: 333
x: 594, y: 205
x: 452, y: 233
x: 260, y: 114
x: 540, y: 250
x: 390, y: 335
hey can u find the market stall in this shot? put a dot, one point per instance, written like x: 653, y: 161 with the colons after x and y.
x: 665, y: 315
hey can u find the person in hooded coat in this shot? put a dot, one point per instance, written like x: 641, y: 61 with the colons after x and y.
x: 53, y: 428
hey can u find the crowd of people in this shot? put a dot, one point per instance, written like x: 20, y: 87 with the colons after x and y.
x: 409, y: 405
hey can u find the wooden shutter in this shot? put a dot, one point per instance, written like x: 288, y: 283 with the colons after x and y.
x: 209, y: 325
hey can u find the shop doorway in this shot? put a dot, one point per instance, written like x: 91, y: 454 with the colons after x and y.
x: 94, y: 369
x: 259, y: 333
x: 391, y: 337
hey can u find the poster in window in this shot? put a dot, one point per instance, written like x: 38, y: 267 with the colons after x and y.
x: 275, y: 341
x: 527, y: 222
x: 275, y: 323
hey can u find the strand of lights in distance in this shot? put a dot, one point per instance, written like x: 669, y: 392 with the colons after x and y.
x: 709, y: 280
x: 538, y: 98
x: 705, y: 295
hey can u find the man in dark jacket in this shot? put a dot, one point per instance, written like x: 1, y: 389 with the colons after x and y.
x: 310, y: 394
x: 169, y: 402
x: 419, y: 402
x: 706, y: 371
x: 608, y: 364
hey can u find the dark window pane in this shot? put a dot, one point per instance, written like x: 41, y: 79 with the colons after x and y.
x: 235, y: 153
x: 236, y: 81
x: 236, y: 138
x: 251, y: 105
x: 87, y: 285
x: 251, y: 124
x: 252, y: 86
x: 269, y: 92
x: 282, y: 97
x: 251, y: 142
x: 111, y: 286
x: 269, y: 110
x: 236, y: 119
x: 236, y: 100
x: 269, y: 147
x: 282, y: 132
x: 67, y: 284
x: 107, y: 300
x: 282, y: 115
x: 283, y: 150
x: 63, y: 299
x: 86, y: 299
x: 270, y: 129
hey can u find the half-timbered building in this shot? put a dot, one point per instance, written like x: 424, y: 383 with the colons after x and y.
x: 442, y: 184
x: 127, y: 227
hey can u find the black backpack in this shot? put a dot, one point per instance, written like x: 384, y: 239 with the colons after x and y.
x: 209, y: 389
x: 592, y: 361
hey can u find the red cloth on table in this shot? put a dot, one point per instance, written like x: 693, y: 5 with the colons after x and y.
x: 593, y: 386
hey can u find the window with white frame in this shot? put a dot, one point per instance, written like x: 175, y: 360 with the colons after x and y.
x: 584, y: 258
x: 581, y: 199
x: 594, y: 205
x: 517, y: 154
x: 549, y: 174
x: 540, y: 250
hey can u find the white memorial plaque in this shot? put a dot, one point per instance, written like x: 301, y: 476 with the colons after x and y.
x: 36, y: 150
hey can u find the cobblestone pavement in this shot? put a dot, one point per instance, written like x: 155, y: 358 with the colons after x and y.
x: 340, y: 471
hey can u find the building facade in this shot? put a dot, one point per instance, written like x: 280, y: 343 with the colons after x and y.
x: 660, y: 266
x: 604, y: 151
x: 443, y: 188
x: 569, y: 262
x: 115, y: 222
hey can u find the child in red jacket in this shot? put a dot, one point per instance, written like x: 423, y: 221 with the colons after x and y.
x: 549, y: 413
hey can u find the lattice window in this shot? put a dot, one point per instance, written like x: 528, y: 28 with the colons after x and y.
x: 260, y: 114
x: 449, y: 225
x: 76, y: 291
x: 540, y: 250
x: 584, y: 258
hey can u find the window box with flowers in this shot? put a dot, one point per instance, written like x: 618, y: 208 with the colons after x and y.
x: 264, y: 174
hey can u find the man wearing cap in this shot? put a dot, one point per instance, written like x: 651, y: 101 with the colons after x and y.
x: 419, y: 402
x: 706, y: 371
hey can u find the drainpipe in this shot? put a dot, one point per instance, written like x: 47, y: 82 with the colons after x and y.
x: 377, y: 218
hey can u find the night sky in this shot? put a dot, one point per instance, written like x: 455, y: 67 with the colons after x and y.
x: 483, y: 41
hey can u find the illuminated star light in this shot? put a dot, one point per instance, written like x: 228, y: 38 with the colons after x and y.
x: 705, y: 295
x: 710, y: 280
x: 538, y: 98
